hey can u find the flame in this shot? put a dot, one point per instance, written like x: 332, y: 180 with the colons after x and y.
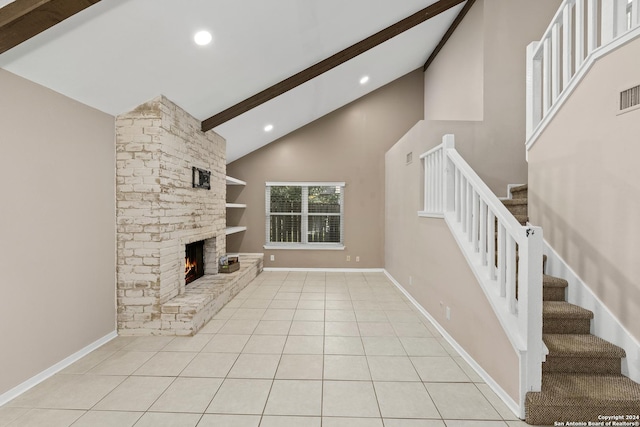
x: 189, y: 265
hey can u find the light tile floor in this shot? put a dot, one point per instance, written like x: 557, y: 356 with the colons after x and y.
x: 292, y: 349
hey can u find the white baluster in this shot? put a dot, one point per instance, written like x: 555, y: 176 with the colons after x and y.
x: 510, y: 286
x: 469, y: 210
x: 431, y: 183
x: 458, y: 196
x: 555, y: 61
x: 483, y: 231
x: 463, y: 203
x: 448, y: 142
x: 592, y: 25
x: 475, y: 225
x: 502, y: 257
x: 426, y: 185
x: 567, y: 42
x: 635, y: 13
x: 546, y: 76
x: 621, y: 16
x: 579, y: 34
x: 438, y: 156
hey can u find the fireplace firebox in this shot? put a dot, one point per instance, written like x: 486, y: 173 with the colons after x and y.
x: 193, y: 261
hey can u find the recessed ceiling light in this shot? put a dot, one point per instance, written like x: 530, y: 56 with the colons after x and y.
x: 364, y: 80
x: 268, y: 128
x: 202, y: 38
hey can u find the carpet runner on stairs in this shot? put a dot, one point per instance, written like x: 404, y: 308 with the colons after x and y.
x: 581, y: 378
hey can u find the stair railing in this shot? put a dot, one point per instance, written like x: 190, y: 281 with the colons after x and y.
x: 580, y: 30
x: 505, y: 256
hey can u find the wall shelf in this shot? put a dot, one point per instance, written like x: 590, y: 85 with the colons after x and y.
x: 236, y: 205
x: 233, y: 230
x: 235, y: 181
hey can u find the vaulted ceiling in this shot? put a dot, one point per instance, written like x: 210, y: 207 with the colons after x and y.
x: 117, y: 54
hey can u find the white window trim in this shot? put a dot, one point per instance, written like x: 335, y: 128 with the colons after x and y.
x: 305, y: 246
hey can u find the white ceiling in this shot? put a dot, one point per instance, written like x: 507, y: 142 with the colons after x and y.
x: 118, y: 54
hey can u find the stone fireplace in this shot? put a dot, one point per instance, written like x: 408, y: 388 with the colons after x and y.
x: 159, y: 212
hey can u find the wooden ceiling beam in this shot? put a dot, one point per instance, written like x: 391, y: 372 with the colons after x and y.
x: 329, y: 63
x: 448, y: 34
x: 22, y: 19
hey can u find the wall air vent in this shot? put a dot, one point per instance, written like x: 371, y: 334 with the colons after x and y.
x: 409, y: 157
x: 629, y: 98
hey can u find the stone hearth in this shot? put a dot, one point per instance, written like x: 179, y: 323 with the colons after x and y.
x: 159, y: 212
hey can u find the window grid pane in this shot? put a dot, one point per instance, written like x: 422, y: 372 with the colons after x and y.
x: 286, y: 199
x: 324, y: 199
x: 285, y: 228
x: 324, y: 229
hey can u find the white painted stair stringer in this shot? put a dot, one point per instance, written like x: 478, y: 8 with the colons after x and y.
x: 605, y: 324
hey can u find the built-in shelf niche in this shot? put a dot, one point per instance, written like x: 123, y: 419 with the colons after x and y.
x: 237, y: 228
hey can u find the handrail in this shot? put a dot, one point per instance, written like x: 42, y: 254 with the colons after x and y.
x: 578, y: 30
x: 505, y: 256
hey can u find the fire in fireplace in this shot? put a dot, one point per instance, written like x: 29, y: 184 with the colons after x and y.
x: 193, y: 261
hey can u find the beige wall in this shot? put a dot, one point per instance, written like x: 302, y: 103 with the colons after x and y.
x: 346, y: 145
x: 423, y: 256
x: 57, y: 228
x: 584, y: 185
x: 454, y: 81
x: 480, y: 76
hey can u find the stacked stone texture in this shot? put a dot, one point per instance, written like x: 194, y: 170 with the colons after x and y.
x: 158, y: 211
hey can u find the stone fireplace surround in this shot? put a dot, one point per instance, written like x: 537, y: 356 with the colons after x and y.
x: 159, y: 212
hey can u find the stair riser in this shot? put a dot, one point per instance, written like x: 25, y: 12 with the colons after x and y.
x: 566, y: 326
x: 547, y: 415
x: 518, y: 209
x: 583, y: 365
x: 553, y: 294
x: 521, y: 194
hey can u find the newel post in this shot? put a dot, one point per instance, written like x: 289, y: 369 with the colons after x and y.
x: 530, y: 307
x: 448, y: 142
x: 534, y: 89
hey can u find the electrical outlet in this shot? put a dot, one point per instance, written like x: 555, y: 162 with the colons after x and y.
x: 272, y: 257
x: 410, y: 280
x: 357, y: 259
x: 448, y: 313
x: 348, y: 258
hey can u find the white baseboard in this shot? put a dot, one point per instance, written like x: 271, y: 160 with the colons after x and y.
x: 503, y: 395
x: 49, y: 372
x: 605, y: 324
x: 328, y: 270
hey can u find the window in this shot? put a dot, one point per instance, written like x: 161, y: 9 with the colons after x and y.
x: 304, y: 215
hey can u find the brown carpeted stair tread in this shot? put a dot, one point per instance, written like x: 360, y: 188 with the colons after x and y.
x: 562, y: 309
x: 519, y: 188
x: 514, y: 202
x: 581, y: 345
x: 553, y: 282
x: 595, y: 391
